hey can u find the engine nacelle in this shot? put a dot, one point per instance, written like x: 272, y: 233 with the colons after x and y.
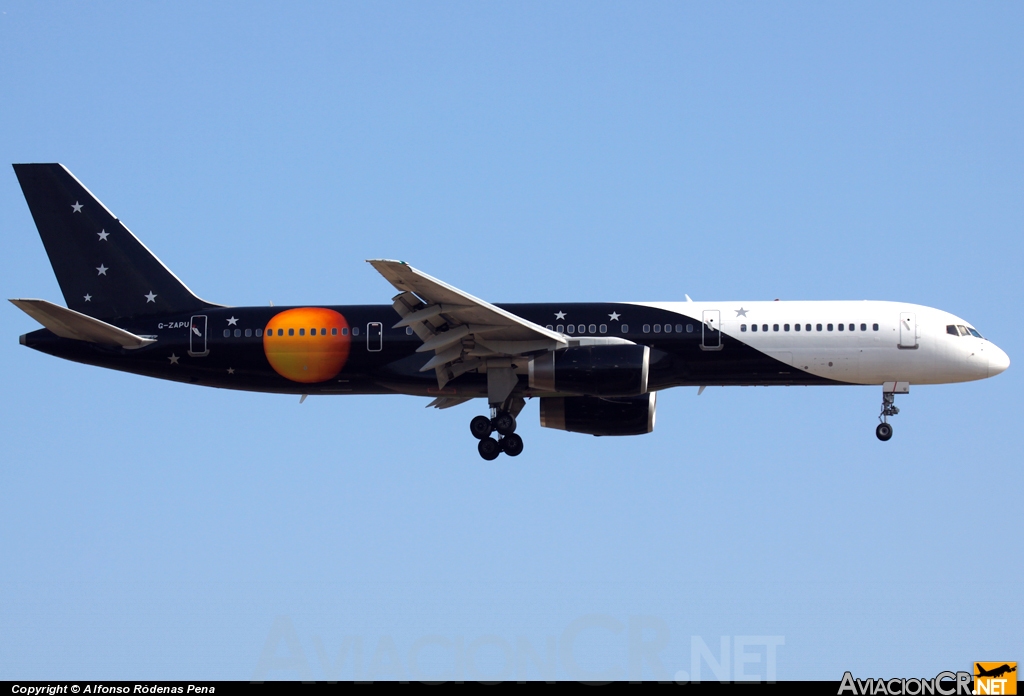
x: 599, y: 370
x: 596, y: 416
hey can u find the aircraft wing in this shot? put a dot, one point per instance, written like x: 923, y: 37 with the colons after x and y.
x: 462, y: 331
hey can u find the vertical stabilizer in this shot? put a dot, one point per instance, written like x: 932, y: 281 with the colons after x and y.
x: 103, y: 270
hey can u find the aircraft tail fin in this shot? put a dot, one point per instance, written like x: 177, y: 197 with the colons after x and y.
x: 103, y: 269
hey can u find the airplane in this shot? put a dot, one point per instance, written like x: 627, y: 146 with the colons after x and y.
x: 995, y: 672
x: 595, y: 367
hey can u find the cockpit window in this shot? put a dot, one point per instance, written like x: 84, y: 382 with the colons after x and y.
x: 951, y: 330
x: 963, y: 330
x: 974, y: 332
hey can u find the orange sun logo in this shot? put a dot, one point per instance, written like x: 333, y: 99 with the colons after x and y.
x: 308, y: 344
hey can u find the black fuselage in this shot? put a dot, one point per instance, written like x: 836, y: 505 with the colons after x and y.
x: 235, y: 355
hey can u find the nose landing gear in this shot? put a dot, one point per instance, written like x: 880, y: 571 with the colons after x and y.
x: 503, y: 422
x: 889, y: 391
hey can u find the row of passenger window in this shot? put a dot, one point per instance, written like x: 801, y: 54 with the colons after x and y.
x: 583, y: 328
x: 960, y: 330
x: 248, y: 333
x: 807, y: 327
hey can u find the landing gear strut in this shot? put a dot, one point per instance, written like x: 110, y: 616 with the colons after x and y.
x: 884, y: 431
x: 503, y: 422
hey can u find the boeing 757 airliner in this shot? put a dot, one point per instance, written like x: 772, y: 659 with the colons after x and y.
x: 595, y: 367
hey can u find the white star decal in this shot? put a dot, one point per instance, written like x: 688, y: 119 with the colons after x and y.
x: 614, y: 316
x: 88, y: 298
x: 102, y: 269
x: 76, y: 207
x: 231, y: 370
x: 559, y: 315
x: 740, y: 312
x: 151, y: 297
x: 103, y: 234
x: 174, y: 359
x: 232, y: 321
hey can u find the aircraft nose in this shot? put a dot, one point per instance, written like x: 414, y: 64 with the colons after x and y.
x: 998, y: 360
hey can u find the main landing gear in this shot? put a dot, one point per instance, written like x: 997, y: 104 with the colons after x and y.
x: 503, y: 422
x: 884, y: 431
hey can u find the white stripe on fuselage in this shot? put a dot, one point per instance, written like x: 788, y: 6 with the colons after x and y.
x: 855, y: 357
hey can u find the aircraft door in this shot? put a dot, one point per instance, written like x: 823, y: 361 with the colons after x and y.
x: 711, y: 330
x: 374, y: 336
x: 908, y: 330
x: 197, y: 337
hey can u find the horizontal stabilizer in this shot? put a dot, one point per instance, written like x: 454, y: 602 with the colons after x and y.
x: 67, y: 323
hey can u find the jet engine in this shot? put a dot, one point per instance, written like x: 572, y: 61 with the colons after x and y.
x: 599, y: 416
x: 595, y: 370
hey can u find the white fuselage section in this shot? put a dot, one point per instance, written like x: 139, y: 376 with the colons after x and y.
x: 858, y: 342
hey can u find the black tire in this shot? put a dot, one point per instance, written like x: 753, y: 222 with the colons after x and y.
x: 883, y: 432
x: 480, y: 427
x: 505, y: 423
x: 489, y: 448
x: 512, y: 445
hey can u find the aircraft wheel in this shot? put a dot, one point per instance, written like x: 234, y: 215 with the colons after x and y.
x: 480, y: 427
x: 512, y: 445
x: 883, y: 432
x: 505, y: 423
x: 489, y: 449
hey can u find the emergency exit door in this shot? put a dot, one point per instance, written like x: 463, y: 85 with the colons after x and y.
x: 197, y: 337
x: 374, y: 336
x: 711, y: 330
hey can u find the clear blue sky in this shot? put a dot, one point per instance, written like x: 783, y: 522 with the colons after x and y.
x: 522, y: 152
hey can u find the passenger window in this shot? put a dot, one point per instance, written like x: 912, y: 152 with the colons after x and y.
x: 874, y: 327
x: 570, y: 329
x: 679, y: 328
x: 593, y: 328
x: 549, y: 327
x: 238, y: 333
x: 775, y: 327
x: 227, y: 333
x: 764, y: 327
x: 355, y: 330
x: 344, y: 331
x: 302, y: 332
x: 829, y: 327
x: 657, y: 328
x: 853, y: 327
x: 863, y: 327
x: 753, y: 327
x: 625, y: 328
x: 334, y: 330
x: 408, y: 331
x: 259, y: 332
x: 668, y: 328
x: 743, y: 328
x: 689, y: 328
x: 819, y: 327
x: 785, y: 327
x: 312, y: 332
x: 248, y: 333
x: 841, y: 327
x: 603, y: 328
x: 796, y: 327
x: 808, y: 327
x: 280, y: 332
x: 560, y: 328
x: 647, y: 328
x: 323, y: 332
x: 951, y: 330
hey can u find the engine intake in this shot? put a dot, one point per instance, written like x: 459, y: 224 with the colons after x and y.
x: 601, y: 370
x: 597, y: 416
